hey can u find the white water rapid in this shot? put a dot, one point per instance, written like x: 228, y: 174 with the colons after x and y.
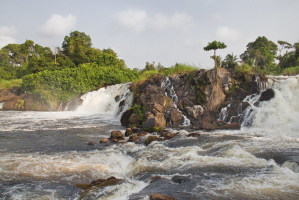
x: 1, y: 105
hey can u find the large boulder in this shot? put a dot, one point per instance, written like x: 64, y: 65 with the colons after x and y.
x: 267, y: 95
x: 176, y: 117
x: 117, y: 135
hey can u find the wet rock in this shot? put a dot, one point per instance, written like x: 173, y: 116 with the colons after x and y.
x: 134, y: 138
x: 134, y: 119
x: 117, y: 98
x: 98, y: 183
x: 267, y: 95
x: 164, y: 133
x: 176, y: 117
x: 170, y: 136
x: 154, y: 124
x: 235, y: 119
x: 90, y: 143
x: 220, y: 123
x: 194, y: 135
x: 195, y: 111
x: 151, y: 138
x: 156, y: 196
x: 155, y: 178
x: 207, y: 126
x: 105, y: 140
x: 114, y: 140
x: 134, y: 129
x: 128, y: 132
x: 125, y: 117
x: 142, y: 133
x: 180, y: 179
x: 232, y: 126
x: 117, y: 135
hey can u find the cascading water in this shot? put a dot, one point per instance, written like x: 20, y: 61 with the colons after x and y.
x: 280, y: 113
x: 107, y: 100
x: 1, y: 105
x: 169, y: 91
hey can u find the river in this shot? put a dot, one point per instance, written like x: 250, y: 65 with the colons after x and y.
x: 44, y: 154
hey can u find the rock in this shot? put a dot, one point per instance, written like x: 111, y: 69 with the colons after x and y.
x: 90, y: 143
x: 125, y: 117
x: 105, y: 140
x: 206, y: 120
x: 117, y: 98
x: 194, y: 135
x: 117, y: 135
x: 156, y: 196
x: 170, y: 136
x: 164, y: 133
x: 134, y: 129
x: 74, y: 104
x: 155, y: 178
x: 134, y: 138
x: 180, y: 179
x: 233, y: 126
x: 154, y: 124
x: 6, y: 95
x: 128, y: 132
x: 114, y: 140
x: 151, y: 138
x: 176, y: 117
x: 208, y: 126
x: 267, y: 95
x: 142, y: 133
x: 134, y: 119
x: 99, y: 183
x: 220, y: 123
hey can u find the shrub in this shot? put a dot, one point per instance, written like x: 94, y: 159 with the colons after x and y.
x: 291, y: 71
x: 6, y: 84
x: 243, y: 69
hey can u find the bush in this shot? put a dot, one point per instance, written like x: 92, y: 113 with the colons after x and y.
x: 60, y: 86
x: 291, y: 71
x: 178, y: 68
x: 6, y: 84
x: 243, y: 69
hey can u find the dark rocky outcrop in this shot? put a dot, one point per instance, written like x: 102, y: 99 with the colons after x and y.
x: 267, y: 95
x: 156, y: 196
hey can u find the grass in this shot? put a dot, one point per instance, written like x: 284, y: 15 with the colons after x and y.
x: 178, y: 68
x: 291, y: 71
x: 6, y: 84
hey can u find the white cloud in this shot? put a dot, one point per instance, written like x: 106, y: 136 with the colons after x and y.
x: 58, y: 25
x: 6, y: 35
x: 138, y: 21
x: 132, y: 19
x: 226, y: 34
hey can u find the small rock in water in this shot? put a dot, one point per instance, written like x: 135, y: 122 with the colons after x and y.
x: 128, y: 132
x: 105, y: 140
x: 180, y: 179
x: 98, y: 183
x: 151, y: 138
x: 170, y: 136
x: 133, y: 138
x: 155, y: 178
x: 134, y: 129
x: 142, y: 133
x: 194, y: 135
x: 90, y: 143
x: 156, y: 196
x: 117, y: 135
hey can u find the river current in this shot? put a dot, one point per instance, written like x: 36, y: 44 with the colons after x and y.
x: 44, y: 154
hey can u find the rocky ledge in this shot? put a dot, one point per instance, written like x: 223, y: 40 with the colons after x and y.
x: 194, y: 99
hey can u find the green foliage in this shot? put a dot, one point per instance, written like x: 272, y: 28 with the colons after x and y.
x: 243, y: 69
x: 291, y: 71
x: 33, y: 106
x: 148, y: 74
x: 139, y: 110
x: 232, y: 89
x: 230, y: 61
x: 6, y: 84
x: 58, y: 86
x: 20, y: 104
x: 214, y: 46
x: 109, y: 58
x: 157, y: 129
x: 178, y: 68
x: 261, y: 52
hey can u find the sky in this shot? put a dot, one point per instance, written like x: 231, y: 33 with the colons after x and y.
x: 139, y: 31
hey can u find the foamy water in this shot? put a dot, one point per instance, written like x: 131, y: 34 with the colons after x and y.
x: 44, y: 154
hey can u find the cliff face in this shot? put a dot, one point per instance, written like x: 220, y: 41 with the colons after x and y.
x: 193, y: 98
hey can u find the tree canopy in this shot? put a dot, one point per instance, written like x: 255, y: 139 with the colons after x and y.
x: 214, y: 46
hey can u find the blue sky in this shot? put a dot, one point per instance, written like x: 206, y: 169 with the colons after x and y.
x: 165, y: 31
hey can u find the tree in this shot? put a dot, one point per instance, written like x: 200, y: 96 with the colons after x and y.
x: 218, y: 60
x: 230, y: 61
x: 78, y: 47
x: 214, y: 46
x: 264, y: 56
x: 283, y: 45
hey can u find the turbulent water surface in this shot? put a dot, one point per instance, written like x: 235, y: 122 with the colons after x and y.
x: 44, y: 154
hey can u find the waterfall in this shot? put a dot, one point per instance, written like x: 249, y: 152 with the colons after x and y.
x: 112, y: 100
x: 280, y: 113
x: 2, y: 105
x: 60, y: 107
x: 224, y: 113
x: 66, y: 106
x: 169, y: 91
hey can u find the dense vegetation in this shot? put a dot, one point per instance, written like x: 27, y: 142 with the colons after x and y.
x: 77, y: 67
